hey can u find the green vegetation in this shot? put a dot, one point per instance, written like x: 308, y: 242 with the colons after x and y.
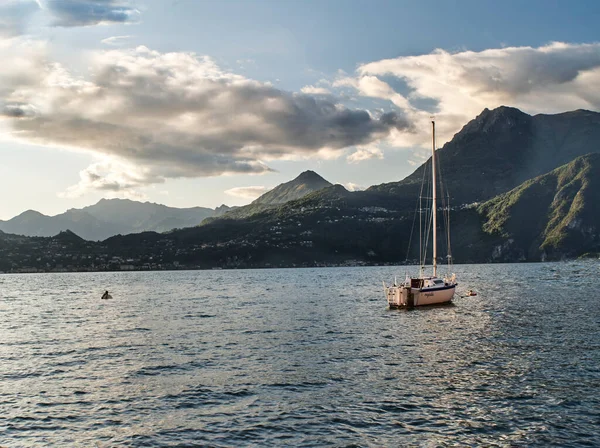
x: 497, y: 159
x: 551, y: 216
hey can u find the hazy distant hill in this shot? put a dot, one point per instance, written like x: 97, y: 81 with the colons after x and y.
x: 107, y: 218
x: 111, y: 217
x: 504, y: 147
x: 33, y: 223
x: 143, y: 216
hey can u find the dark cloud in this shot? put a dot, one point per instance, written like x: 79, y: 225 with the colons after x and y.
x: 176, y: 115
x: 70, y: 13
x: 182, y: 116
x: 17, y: 110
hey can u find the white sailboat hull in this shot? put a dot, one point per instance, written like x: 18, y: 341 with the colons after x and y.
x: 405, y: 296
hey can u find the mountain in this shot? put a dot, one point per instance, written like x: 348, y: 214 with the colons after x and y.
x: 222, y: 209
x: 306, y: 183
x: 502, y: 148
x: 68, y: 237
x: 111, y: 217
x: 106, y: 218
x: 549, y: 217
x: 32, y: 223
x: 144, y: 216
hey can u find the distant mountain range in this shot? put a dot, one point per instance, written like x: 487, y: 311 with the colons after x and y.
x: 109, y: 217
x: 522, y: 188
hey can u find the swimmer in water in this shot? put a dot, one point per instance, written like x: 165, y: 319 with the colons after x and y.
x: 105, y: 295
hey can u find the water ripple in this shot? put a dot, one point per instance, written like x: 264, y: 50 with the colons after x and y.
x: 299, y: 358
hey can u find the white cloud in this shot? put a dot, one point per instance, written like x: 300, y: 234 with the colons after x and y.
x: 251, y: 192
x: 374, y: 87
x: 114, y: 179
x: 548, y: 79
x: 350, y: 186
x: 116, y: 40
x: 313, y: 90
x: 363, y: 153
x: 173, y: 114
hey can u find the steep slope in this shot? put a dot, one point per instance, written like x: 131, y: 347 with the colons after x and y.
x: 502, y: 148
x: 68, y: 237
x: 306, y: 183
x: 549, y: 217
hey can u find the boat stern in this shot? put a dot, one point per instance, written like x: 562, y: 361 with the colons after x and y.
x: 399, y: 296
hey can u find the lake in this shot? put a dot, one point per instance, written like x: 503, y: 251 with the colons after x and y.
x: 300, y: 357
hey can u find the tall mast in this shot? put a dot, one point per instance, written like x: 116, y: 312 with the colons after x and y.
x: 433, y: 205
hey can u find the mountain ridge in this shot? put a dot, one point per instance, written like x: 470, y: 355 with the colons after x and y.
x: 502, y: 148
x: 305, y: 183
x: 549, y: 216
x: 302, y: 185
x: 106, y: 218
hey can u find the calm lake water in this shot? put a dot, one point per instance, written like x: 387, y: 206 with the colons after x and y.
x: 300, y: 357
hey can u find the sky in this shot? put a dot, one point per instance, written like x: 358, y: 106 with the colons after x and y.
x: 202, y: 103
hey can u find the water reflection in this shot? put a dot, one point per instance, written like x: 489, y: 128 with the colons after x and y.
x: 298, y: 357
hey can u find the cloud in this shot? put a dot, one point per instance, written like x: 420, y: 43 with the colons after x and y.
x: 375, y: 88
x: 69, y: 13
x: 14, y: 15
x: 248, y: 192
x: 548, y: 79
x: 176, y: 115
x: 112, y: 178
x: 116, y: 40
x: 312, y: 90
x: 24, y: 67
x: 365, y: 153
x: 350, y: 186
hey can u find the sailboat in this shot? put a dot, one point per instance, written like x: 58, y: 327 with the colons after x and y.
x: 425, y: 289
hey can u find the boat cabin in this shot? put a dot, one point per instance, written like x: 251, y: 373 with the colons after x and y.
x: 428, y: 282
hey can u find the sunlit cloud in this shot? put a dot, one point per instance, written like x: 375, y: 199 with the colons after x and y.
x: 175, y: 115
x: 313, y: 90
x: 548, y: 79
x: 251, y: 192
x: 116, y: 41
x: 350, y: 186
x: 113, y: 179
x: 365, y: 153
